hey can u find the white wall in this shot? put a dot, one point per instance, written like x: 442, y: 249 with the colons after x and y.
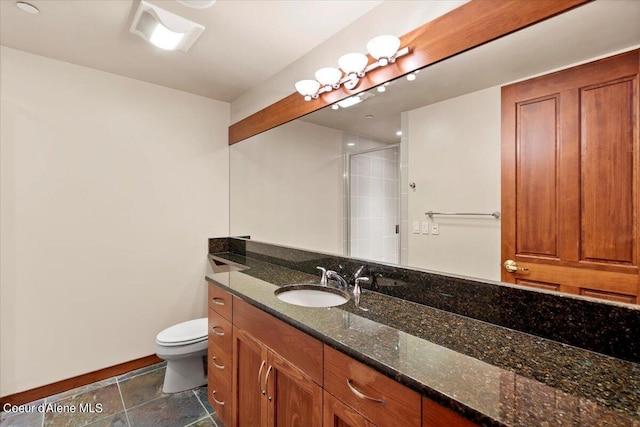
x: 286, y: 187
x: 454, y: 160
x: 110, y: 188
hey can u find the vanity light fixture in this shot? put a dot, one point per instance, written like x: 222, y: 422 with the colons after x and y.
x: 164, y: 29
x: 353, y: 65
x: 384, y: 49
x: 308, y: 89
x: 329, y: 78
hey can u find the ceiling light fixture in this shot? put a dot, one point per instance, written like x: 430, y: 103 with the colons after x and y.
x: 164, y: 29
x: 27, y: 7
x: 384, y: 49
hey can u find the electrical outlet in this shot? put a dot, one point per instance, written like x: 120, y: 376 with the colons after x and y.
x: 435, y: 229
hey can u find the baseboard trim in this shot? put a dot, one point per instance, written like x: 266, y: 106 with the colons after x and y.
x: 79, y: 381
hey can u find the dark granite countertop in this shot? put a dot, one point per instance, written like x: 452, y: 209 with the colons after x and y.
x: 490, y: 374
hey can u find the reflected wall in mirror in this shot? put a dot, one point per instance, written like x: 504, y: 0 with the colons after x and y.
x: 296, y: 185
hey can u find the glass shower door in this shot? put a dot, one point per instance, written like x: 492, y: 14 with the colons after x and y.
x: 373, y: 185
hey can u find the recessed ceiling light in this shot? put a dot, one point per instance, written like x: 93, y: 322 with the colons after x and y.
x: 399, y: 133
x: 369, y: 116
x: 26, y: 7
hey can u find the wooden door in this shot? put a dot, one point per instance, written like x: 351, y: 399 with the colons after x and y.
x: 250, y: 357
x: 294, y: 399
x: 570, y: 176
x: 337, y: 414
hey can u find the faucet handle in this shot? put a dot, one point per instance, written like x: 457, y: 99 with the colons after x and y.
x: 359, y: 280
x: 323, y: 279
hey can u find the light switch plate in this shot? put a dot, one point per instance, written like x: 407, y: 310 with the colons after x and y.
x: 425, y: 228
x: 416, y: 227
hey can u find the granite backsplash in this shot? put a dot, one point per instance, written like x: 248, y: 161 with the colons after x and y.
x: 603, y: 327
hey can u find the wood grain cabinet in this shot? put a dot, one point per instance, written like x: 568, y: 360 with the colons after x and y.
x: 381, y: 400
x: 434, y: 415
x: 266, y: 373
x: 220, y: 356
x: 278, y: 375
x: 338, y: 414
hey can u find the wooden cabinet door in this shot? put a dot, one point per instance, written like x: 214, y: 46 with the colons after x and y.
x: 570, y: 179
x: 294, y: 399
x: 250, y: 404
x: 269, y: 391
x: 337, y: 414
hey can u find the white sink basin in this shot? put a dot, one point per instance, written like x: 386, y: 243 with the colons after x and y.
x: 311, y: 295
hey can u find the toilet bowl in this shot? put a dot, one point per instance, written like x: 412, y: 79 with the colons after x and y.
x: 184, y: 347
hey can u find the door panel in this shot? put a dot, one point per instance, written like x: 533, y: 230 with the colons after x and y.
x: 337, y: 414
x: 607, y: 172
x: 251, y: 408
x: 296, y: 399
x: 537, y: 187
x: 570, y: 176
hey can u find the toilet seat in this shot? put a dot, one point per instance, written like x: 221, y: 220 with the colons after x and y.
x: 184, y: 333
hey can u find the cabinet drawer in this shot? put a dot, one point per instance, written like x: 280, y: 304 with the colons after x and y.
x: 298, y: 348
x: 220, y: 333
x: 377, y: 397
x: 220, y: 301
x: 220, y: 366
x: 219, y: 396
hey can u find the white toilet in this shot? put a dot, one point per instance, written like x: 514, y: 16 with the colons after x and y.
x: 184, y: 347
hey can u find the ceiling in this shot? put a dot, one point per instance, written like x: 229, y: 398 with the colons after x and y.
x: 245, y: 41
x: 590, y: 31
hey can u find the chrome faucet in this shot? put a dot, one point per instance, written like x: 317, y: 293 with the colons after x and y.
x: 323, y: 279
x: 342, y: 283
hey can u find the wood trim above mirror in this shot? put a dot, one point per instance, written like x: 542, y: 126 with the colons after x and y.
x: 464, y: 28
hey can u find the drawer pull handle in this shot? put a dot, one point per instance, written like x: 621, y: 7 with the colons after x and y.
x: 213, y: 396
x: 221, y: 367
x: 218, y: 301
x: 262, y: 390
x: 216, y: 330
x: 361, y: 395
x: 266, y: 382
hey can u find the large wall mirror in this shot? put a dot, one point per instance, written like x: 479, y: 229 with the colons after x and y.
x: 358, y: 180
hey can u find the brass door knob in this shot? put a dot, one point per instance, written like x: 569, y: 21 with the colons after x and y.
x: 511, y: 266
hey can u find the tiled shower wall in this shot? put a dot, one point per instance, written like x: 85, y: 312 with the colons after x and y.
x: 374, y: 202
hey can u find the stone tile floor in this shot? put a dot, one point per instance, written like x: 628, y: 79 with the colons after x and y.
x: 134, y: 399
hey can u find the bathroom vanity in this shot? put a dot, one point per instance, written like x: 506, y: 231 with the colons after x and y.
x: 388, y: 361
